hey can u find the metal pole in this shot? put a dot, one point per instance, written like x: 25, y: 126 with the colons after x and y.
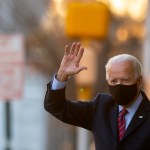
x: 82, y: 139
x: 8, y: 125
x: 146, y: 55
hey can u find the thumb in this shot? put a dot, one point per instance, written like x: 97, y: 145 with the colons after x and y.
x: 81, y: 68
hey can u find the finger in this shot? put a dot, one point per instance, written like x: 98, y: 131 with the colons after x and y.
x: 77, y: 48
x: 66, y: 50
x: 73, y: 48
x: 80, y: 54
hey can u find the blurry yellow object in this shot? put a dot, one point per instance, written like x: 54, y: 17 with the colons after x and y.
x: 84, y: 93
x: 87, y: 20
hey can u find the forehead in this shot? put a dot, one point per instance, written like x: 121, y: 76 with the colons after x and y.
x: 124, y: 68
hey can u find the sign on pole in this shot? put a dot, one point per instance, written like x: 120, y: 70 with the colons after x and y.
x: 11, y: 66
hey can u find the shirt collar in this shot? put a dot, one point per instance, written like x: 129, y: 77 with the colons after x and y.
x: 132, y: 108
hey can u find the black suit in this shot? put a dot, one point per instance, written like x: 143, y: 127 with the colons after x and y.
x: 100, y: 117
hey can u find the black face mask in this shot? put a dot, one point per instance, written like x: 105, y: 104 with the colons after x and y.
x: 123, y: 94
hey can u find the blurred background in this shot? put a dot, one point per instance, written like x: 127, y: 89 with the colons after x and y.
x: 33, y: 34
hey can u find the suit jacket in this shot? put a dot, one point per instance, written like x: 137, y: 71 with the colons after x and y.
x: 100, y: 117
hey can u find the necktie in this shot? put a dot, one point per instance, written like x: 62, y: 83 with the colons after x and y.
x: 121, y: 123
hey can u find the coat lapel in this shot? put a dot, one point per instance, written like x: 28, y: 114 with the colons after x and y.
x: 113, y: 117
x: 141, y: 114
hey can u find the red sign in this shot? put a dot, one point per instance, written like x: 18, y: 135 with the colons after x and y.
x: 11, y: 66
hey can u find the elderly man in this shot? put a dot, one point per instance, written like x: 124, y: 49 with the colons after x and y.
x: 119, y: 120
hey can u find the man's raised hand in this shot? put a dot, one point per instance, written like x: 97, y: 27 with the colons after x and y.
x: 70, y: 62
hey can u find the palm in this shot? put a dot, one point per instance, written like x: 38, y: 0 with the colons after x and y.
x: 70, y: 62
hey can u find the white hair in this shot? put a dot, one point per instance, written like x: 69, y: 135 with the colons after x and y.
x: 123, y: 58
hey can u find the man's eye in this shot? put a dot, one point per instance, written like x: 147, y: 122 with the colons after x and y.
x: 125, y: 80
x: 113, y: 81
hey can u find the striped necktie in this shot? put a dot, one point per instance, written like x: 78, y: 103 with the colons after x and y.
x: 121, y: 123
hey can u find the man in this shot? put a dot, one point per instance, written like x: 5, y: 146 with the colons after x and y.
x: 120, y: 121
